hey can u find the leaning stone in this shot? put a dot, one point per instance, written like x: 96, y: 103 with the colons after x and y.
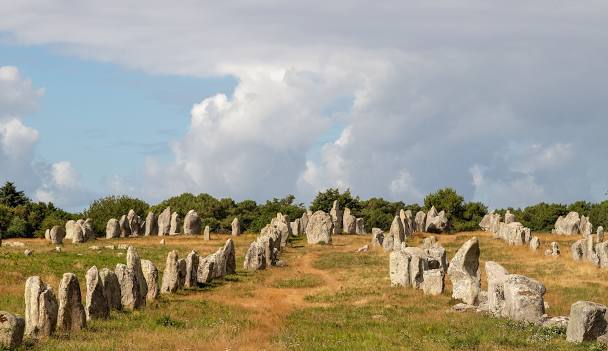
x: 496, y: 275
x: 11, y: 330
x: 236, y: 227
x: 191, y: 270
x: 134, y: 264
x: 170, y: 275
x: 41, y: 308
x: 399, y: 268
x: 433, y: 282
x: 111, y: 289
x: 97, y: 301
x: 523, y: 298
x: 151, y: 277
x: 587, y: 321
x: 71, y: 314
x: 319, y: 229
x: 129, y: 288
x: 464, y: 272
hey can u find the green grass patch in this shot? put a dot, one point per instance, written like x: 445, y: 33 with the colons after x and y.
x: 331, y: 260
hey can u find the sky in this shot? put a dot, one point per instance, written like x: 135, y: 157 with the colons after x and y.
x: 503, y: 101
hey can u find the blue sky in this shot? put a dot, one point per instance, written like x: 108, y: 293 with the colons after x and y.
x: 258, y: 100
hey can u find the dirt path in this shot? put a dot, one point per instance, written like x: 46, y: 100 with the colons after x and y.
x: 270, y: 305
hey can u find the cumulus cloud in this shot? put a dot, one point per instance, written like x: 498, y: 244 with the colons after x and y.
x: 504, y: 103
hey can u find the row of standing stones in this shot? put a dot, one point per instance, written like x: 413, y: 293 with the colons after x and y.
x: 128, y: 287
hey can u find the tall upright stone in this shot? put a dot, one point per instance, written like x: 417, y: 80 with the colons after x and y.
x: 336, y: 217
x: 320, y: 228
x: 41, y: 308
x: 420, y: 220
x: 399, y: 268
x: 111, y: 289
x: 192, y: 260
x: 164, y: 222
x: 97, y: 301
x: 207, y: 233
x: 255, y: 257
x: 135, y: 223
x: 129, y: 288
x: 77, y: 234
x: 134, y: 264
x: 236, y: 227
x: 397, y: 233
x: 170, y: 275
x: 192, y: 223
x: 123, y: 223
x: 496, y: 277
x: 12, y: 328
x: 281, y: 223
x: 304, y: 221
x: 464, y: 272
x: 599, y: 235
x: 349, y: 222
x: 56, y: 235
x: 71, y: 314
x: 295, y: 227
x: 151, y: 226
x: 151, y: 277
x: 112, y: 229
x: 176, y: 223
x: 69, y: 229
x: 360, y: 226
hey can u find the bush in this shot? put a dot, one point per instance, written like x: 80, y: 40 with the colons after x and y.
x: 445, y: 200
x: 325, y: 200
x: 19, y: 227
x: 472, y: 214
x: 378, y: 212
x: 101, y: 210
x: 268, y: 210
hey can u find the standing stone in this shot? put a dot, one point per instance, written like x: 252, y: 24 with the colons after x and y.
x: 464, y: 272
x: 12, y: 328
x: 555, y: 249
x: 164, y: 222
x: 399, y: 268
x: 176, y: 223
x: 433, y: 282
x: 135, y: 223
x: 360, y: 226
x: 336, y: 217
x: 349, y: 225
x: 97, y: 301
x: 320, y: 228
x: 225, y: 260
x: 304, y: 222
x: 281, y: 223
x: 236, y: 227
x: 585, y: 226
x: 587, y: 321
x: 523, y: 298
x: 77, y: 234
x: 69, y: 229
x: 123, y: 223
x: 396, y: 232
x: 151, y: 226
x: 534, y: 243
x: 496, y: 296
x: 568, y: 225
x: 170, y: 275
x: 407, y: 229
x: 509, y: 217
x: 388, y: 242
x: 438, y: 254
x: 191, y: 270
x: 420, y: 220
x: 87, y: 230
x: 206, y: 268
x: 181, y: 273
x: 602, y: 252
x: 255, y: 257
x: 134, y: 264
x: 151, y: 277
x: 377, y: 237
x: 192, y: 223
x: 111, y: 289
x: 71, y: 315
x: 41, y: 308
x: 47, y: 234
x: 129, y: 288
x: 600, y: 234
x: 207, y: 233
x: 295, y: 227
x: 436, y: 222
x: 419, y: 262
x: 112, y: 229
x: 56, y: 235
x: 578, y: 250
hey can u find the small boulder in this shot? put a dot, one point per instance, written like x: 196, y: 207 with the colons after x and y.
x: 523, y: 298
x: 433, y: 282
x: 587, y: 321
x: 12, y: 328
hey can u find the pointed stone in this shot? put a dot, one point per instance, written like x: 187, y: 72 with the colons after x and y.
x: 71, y: 314
x: 151, y: 277
x: 96, y: 302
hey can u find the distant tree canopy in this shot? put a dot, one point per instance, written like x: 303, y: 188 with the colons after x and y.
x: 9, y: 196
x: 102, y: 210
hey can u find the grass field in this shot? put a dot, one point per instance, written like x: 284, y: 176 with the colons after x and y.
x: 326, y: 298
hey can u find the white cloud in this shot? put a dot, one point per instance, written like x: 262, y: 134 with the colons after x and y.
x: 512, y: 96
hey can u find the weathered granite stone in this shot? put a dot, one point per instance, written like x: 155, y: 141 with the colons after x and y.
x: 77, y: 234
x: 377, y: 237
x: 176, y: 223
x: 97, y: 300
x: 534, y: 243
x: 111, y: 289
x: 585, y: 227
x: 170, y: 275
x: 360, y: 226
x: 602, y: 252
x: 296, y: 227
x: 71, y: 315
x: 523, y: 298
x: 436, y: 222
x: 255, y: 257
x: 439, y: 254
x: 587, y: 321
x: 236, y: 227
x: 464, y: 272
x: 181, y: 273
x: 433, y: 282
x: 399, y: 268
x: 599, y: 234
x: 129, y: 287
x: 192, y: 223
x: 568, y: 225
x: 190, y: 280
x: 396, y: 231
x: 123, y: 223
x: 41, y: 308
x: 555, y: 249
x: 207, y: 233
x: 281, y: 223
x: 164, y: 222
x: 320, y: 228
x: 336, y: 217
x: 56, y: 235
x: 578, y: 250
x: 509, y: 217
x: 349, y: 225
x: 69, y: 229
x: 151, y: 277
x: 225, y: 260
x: 151, y: 225
x: 12, y: 328
x: 304, y: 221
x: 205, y: 269
x: 496, y: 275
x: 420, y: 220
x: 112, y: 229
x: 134, y: 264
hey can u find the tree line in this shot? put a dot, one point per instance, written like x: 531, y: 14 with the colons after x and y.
x: 21, y: 217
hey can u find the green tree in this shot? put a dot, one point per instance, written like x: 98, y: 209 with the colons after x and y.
x: 270, y: 208
x: 447, y: 200
x: 472, y: 214
x: 10, y: 197
x: 6, y: 216
x: 378, y: 212
x: 325, y: 200
x: 101, y: 210
x: 19, y: 227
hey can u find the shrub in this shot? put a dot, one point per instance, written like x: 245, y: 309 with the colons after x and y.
x: 445, y: 200
x: 19, y: 227
x: 325, y: 200
x: 101, y: 210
